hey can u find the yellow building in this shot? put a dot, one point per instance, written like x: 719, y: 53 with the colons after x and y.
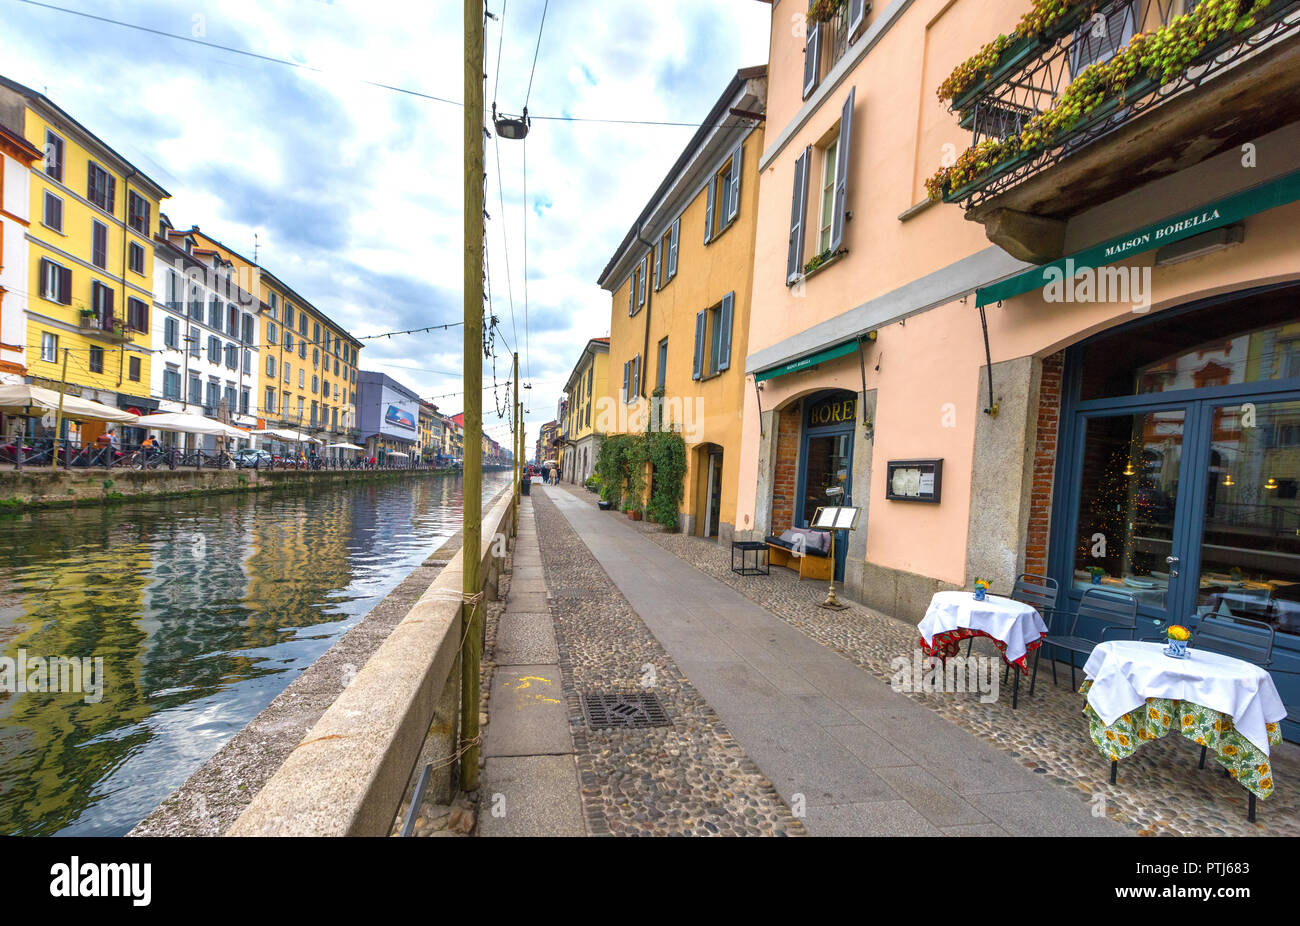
x: 90, y: 258
x: 588, y: 381
x: 308, y: 363
x: 679, y: 328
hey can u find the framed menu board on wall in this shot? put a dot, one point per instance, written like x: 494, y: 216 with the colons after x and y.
x: 914, y: 480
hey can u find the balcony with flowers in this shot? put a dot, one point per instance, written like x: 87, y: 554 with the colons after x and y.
x: 1085, y: 101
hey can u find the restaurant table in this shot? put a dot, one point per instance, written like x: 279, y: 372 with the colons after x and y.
x: 1015, y: 627
x: 1136, y: 693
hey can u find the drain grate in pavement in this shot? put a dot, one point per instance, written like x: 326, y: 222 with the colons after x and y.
x: 572, y: 592
x: 624, y: 709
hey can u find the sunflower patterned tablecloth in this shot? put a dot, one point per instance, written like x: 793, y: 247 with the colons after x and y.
x: 1202, y: 725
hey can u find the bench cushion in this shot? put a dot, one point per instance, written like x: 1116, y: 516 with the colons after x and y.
x: 815, y: 543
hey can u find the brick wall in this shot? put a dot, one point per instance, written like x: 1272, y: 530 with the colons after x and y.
x: 1040, y: 506
x: 785, y: 478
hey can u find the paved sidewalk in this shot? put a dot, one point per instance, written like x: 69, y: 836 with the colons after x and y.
x: 530, y: 778
x: 862, y: 759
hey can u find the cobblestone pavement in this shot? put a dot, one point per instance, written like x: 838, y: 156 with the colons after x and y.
x: 1160, y: 790
x: 691, y: 778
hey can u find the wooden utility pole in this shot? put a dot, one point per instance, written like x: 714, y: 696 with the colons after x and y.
x: 58, y: 416
x: 472, y: 522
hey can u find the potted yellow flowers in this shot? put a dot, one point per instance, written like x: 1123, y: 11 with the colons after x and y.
x: 1178, y: 637
x: 981, y: 589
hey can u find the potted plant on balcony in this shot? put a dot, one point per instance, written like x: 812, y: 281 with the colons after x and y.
x: 821, y: 11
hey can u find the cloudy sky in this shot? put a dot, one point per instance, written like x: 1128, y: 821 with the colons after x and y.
x: 355, y: 192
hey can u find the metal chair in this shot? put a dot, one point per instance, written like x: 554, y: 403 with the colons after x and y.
x: 1241, y: 638
x: 1116, y: 610
x: 1039, y: 592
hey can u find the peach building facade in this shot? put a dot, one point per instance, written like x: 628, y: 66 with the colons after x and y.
x: 990, y: 407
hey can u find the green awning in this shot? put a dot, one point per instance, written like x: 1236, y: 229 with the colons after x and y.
x: 1278, y: 192
x: 803, y: 363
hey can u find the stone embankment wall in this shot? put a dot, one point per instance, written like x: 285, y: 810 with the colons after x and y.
x: 41, y: 488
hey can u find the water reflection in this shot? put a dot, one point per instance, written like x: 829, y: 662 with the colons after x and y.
x: 203, y: 610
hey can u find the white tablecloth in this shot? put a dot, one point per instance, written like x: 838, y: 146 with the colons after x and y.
x: 1125, y: 673
x: 1013, y: 622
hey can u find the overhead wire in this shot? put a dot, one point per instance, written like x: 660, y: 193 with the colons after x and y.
x: 271, y: 59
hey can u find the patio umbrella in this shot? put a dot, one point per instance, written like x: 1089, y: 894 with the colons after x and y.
x: 398, y: 453
x: 344, y: 446
x: 189, y: 424
x: 292, y: 437
x: 25, y: 395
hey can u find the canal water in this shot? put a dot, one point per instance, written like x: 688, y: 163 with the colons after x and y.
x: 202, y: 611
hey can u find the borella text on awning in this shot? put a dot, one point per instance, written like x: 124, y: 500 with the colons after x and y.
x: 1173, y: 228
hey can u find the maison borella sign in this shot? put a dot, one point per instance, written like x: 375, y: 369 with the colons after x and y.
x: 832, y: 412
x: 1194, y: 221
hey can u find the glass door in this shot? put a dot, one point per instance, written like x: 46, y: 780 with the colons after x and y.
x: 828, y: 461
x: 1128, y: 515
x: 1248, y: 539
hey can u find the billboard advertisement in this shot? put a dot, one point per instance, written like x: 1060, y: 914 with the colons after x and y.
x: 399, y: 416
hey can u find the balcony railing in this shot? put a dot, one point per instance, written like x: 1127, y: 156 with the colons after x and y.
x: 1032, y: 75
x: 834, y: 40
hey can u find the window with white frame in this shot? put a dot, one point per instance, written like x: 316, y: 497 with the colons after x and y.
x: 831, y: 195
x: 49, y: 346
x: 826, y: 197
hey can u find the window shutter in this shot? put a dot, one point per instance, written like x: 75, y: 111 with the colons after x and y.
x: 631, y: 295
x: 90, y: 182
x: 112, y: 192
x: 636, y: 376
x: 659, y: 253
x: 672, y: 248
x: 708, y: 210
x: 641, y: 282
x: 857, y: 17
x: 65, y: 285
x: 794, y: 258
x: 842, y: 157
x: 811, y: 60
x: 737, y: 160
x: 99, y: 244
x: 701, y: 319
x: 106, y: 317
x: 1090, y: 49
x: 46, y: 278
x: 626, y: 393
x: 724, y: 323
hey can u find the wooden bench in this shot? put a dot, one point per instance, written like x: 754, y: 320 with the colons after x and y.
x: 810, y: 564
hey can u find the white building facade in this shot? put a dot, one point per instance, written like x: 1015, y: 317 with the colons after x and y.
x: 16, y: 157
x: 205, y: 336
